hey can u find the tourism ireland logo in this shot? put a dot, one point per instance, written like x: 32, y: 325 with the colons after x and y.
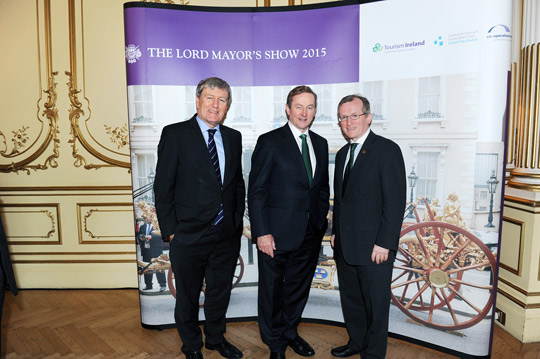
x: 377, y: 48
x: 133, y: 53
x: 403, y: 46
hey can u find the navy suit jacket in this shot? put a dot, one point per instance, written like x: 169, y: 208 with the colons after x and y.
x: 372, y: 208
x: 280, y: 198
x: 188, y: 193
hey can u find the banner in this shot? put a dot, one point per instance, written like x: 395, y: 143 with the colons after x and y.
x: 435, y: 73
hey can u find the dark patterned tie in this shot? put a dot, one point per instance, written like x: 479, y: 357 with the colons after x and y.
x: 307, y: 159
x: 349, y: 167
x: 215, y: 161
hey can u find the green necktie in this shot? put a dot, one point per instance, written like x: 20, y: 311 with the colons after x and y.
x: 350, y: 165
x: 307, y: 160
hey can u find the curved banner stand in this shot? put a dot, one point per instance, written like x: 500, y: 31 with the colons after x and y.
x: 435, y: 73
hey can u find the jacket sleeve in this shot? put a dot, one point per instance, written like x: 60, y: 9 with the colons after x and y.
x: 258, y: 189
x: 394, y: 193
x: 164, y: 182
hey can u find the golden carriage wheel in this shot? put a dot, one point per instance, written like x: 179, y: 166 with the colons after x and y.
x: 238, y: 274
x: 436, y: 263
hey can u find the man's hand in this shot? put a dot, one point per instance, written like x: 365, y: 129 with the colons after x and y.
x: 379, y: 254
x: 332, y: 240
x: 266, y: 244
x: 168, y: 238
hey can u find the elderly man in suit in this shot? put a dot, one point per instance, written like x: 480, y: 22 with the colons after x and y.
x: 369, y: 202
x: 288, y: 203
x: 200, y: 200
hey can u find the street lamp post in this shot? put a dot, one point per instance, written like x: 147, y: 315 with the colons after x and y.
x: 151, y: 177
x: 412, y: 183
x: 492, y: 183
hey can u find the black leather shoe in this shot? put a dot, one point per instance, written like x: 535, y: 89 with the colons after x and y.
x: 274, y: 355
x: 226, y: 349
x: 344, y: 351
x: 195, y: 354
x: 301, y: 347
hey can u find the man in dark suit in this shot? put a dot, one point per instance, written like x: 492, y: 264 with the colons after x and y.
x: 200, y: 196
x: 369, y: 202
x: 288, y: 202
x: 151, y: 247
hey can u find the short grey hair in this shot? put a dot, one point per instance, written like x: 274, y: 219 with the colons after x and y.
x: 350, y: 98
x: 211, y: 83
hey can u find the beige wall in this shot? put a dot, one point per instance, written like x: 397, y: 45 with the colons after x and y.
x: 65, y: 183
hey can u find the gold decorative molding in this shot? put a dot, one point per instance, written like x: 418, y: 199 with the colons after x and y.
x: 522, y: 201
x: 91, y: 209
x: 518, y: 289
x: 119, y: 135
x: 180, y: 2
x: 68, y: 188
x: 517, y: 301
x: 516, y: 271
x: 523, y: 128
x: 49, y: 123
x: 80, y: 130
x: 26, y: 209
x: 77, y: 261
x: 71, y: 253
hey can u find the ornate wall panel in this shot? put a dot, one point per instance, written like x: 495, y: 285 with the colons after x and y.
x: 98, y: 118
x: 32, y: 223
x: 512, y: 248
x: 28, y: 134
x: 105, y: 223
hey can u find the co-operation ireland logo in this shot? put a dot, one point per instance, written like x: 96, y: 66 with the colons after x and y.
x: 132, y: 53
x: 499, y: 32
x: 377, y: 48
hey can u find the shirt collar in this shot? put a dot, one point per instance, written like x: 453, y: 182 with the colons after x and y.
x: 362, y: 139
x: 204, y: 127
x: 296, y: 132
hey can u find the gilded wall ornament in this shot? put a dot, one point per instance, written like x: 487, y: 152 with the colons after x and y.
x: 119, y: 135
x: 21, y: 138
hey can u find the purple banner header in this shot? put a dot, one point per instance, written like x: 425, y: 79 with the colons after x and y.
x: 166, y: 46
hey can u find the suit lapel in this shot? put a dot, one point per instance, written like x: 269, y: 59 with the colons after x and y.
x: 227, y: 148
x: 291, y: 146
x: 201, y: 150
x: 365, y: 152
x: 340, y: 166
x: 318, y: 151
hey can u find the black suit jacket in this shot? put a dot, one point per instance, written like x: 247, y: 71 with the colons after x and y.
x: 188, y: 193
x: 371, y: 209
x: 280, y: 199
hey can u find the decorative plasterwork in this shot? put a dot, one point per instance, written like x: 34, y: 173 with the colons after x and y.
x: 43, y: 217
x: 105, y: 223
x: 111, y: 153
x: 24, y: 152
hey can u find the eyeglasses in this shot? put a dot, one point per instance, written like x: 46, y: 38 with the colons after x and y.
x: 353, y: 117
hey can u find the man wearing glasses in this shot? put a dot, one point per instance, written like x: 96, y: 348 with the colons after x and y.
x: 369, y: 201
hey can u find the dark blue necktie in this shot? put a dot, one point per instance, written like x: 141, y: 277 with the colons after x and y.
x: 215, y: 161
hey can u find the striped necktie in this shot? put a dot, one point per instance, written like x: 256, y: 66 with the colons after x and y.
x: 215, y: 161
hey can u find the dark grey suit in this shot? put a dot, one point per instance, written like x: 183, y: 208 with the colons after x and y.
x: 282, y: 203
x: 369, y: 212
x: 188, y: 198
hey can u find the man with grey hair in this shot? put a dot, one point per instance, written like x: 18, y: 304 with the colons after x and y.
x: 200, y: 200
x: 369, y: 201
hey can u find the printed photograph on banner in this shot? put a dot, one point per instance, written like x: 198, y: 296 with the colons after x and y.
x: 443, y: 276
